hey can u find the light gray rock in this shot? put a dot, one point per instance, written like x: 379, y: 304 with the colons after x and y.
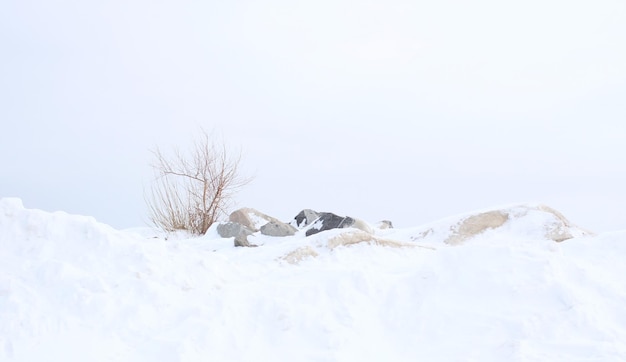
x: 232, y: 229
x: 242, y: 240
x: 250, y: 218
x: 384, y: 224
x: 277, y: 228
x: 236, y: 230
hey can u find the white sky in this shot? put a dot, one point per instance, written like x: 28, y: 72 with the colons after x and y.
x: 402, y: 110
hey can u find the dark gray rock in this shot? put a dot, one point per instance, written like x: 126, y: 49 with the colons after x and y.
x: 328, y: 221
x: 306, y: 218
x: 277, y: 228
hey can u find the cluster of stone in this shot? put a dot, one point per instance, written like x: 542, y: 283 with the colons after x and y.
x: 247, y: 221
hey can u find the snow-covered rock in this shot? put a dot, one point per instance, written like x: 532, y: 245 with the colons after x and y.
x: 518, y: 221
x: 329, y: 221
x: 305, y: 218
x: 384, y: 224
x: 314, y: 222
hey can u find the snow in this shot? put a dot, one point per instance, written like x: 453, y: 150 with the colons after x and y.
x: 73, y: 289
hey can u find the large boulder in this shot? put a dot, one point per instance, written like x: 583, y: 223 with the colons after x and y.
x: 328, y: 221
x: 277, y: 228
x: 250, y: 218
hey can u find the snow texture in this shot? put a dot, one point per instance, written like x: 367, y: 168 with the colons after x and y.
x: 72, y: 289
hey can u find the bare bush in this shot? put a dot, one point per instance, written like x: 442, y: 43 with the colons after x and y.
x: 193, y: 191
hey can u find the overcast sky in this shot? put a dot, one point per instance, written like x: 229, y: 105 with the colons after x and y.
x: 402, y: 110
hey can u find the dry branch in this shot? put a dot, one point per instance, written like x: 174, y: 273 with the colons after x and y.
x: 192, y: 192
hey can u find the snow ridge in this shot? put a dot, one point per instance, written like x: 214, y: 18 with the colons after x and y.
x: 73, y: 289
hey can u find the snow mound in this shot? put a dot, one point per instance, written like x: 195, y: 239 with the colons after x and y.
x: 530, y: 221
x: 73, y: 289
x: 37, y: 231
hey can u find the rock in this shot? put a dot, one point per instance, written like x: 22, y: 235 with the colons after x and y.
x: 384, y: 224
x: 305, y: 218
x: 250, y: 218
x: 242, y: 240
x: 277, y: 228
x: 232, y: 229
x: 328, y: 221
x: 236, y: 230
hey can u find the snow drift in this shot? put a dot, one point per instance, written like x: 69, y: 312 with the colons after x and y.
x: 73, y: 289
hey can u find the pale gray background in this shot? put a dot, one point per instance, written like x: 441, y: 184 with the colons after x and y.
x: 406, y: 110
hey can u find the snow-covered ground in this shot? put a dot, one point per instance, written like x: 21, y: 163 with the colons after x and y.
x: 72, y: 289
